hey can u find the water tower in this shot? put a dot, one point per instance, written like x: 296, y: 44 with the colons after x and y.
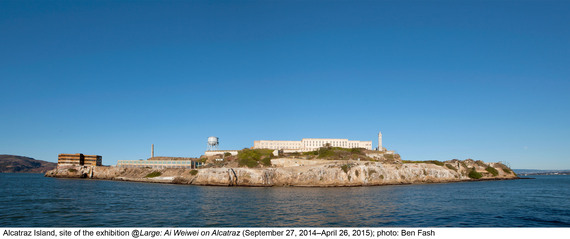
x: 213, y: 143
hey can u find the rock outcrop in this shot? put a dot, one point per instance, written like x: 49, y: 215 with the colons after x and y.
x: 306, y: 173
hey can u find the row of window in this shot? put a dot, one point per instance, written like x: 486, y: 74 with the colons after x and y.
x: 323, y: 143
x: 311, y: 144
x: 270, y: 144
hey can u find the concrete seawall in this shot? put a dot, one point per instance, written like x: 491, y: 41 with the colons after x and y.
x: 325, y: 173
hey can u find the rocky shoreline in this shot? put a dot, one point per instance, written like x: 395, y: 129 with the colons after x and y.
x: 300, y: 173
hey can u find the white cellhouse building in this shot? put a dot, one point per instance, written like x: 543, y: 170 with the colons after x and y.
x: 313, y: 144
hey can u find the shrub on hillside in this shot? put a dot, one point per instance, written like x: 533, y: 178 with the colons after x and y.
x: 311, y: 153
x: 153, y: 174
x: 337, y: 153
x: 266, y: 161
x: 449, y: 166
x: 438, y: 163
x: 505, y: 169
x: 249, y: 158
x: 480, y: 163
x: 474, y: 174
x: 345, y: 168
x: 252, y: 157
x: 357, y: 150
x: 326, y: 152
x: 492, y: 171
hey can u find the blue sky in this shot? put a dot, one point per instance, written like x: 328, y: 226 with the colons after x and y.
x: 487, y: 80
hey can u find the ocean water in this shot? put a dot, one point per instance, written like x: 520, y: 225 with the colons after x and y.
x: 31, y: 200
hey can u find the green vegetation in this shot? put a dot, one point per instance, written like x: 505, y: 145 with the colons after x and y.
x: 505, y: 169
x: 474, y: 174
x: 439, y: 163
x: 227, y: 154
x: 72, y: 170
x: 389, y: 156
x: 492, y: 171
x: 382, y: 176
x: 356, y: 172
x: 153, y: 174
x: 449, y: 166
x: 193, y: 172
x: 311, y: 153
x: 336, y: 153
x: 356, y: 150
x: 326, y: 152
x: 266, y: 161
x: 480, y: 163
x: 371, y: 171
x: 345, y: 168
x: 252, y: 157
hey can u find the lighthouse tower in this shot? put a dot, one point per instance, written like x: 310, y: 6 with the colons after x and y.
x: 380, y: 141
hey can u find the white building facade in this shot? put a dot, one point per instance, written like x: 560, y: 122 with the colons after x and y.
x: 310, y: 144
x: 222, y: 152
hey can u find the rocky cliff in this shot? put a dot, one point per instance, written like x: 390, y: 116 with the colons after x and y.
x: 297, y: 172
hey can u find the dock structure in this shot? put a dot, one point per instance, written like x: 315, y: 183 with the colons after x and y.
x: 79, y: 159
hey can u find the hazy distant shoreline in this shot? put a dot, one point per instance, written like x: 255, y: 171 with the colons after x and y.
x: 22, y: 164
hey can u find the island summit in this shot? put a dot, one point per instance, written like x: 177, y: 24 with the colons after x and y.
x: 310, y: 162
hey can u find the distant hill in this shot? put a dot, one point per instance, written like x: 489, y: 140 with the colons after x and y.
x: 526, y: 172
x: 21, y: 164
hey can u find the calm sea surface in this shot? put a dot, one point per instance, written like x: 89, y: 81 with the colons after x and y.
x: 31, y: 200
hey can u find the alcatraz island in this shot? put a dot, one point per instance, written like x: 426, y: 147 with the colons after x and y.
x: 310, y: 162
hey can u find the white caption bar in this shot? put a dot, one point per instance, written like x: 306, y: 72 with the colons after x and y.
x: 262, y: 233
